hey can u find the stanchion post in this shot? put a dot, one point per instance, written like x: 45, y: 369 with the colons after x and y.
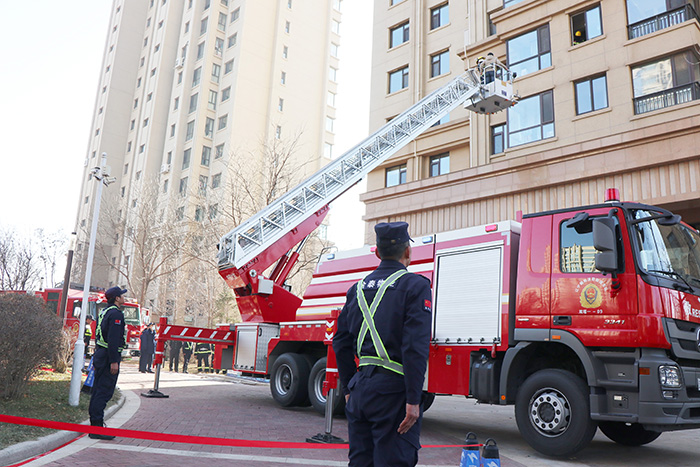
x: 160, y: 349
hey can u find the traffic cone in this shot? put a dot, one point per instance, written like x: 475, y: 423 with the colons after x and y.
x: 470, y: 453
x: 490, y: 457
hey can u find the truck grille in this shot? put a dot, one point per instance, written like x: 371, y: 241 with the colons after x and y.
x: 683, y: 336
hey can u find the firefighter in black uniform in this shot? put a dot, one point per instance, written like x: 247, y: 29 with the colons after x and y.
x: 187, y: 348
x: 385, y: 323
x: 110, y: 340
x: 202, y: 351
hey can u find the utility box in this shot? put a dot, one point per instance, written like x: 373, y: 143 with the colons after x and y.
x: 252, y: 341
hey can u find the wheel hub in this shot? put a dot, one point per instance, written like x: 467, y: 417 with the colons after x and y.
x: 284, y: 379
x: 550, y: 412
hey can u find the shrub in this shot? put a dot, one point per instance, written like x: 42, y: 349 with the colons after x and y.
x: 30, y: 336
x: 64, y: 353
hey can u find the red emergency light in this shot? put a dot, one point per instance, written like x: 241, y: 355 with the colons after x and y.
x: 491, y: 227
x: 612, y: 194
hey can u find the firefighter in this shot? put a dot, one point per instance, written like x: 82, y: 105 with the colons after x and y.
x: 110, y: 340
x: 202, y: 351
x: 175, y: 347
x: 87, y: 335
x: 187, y: 348
x: 385, y: 323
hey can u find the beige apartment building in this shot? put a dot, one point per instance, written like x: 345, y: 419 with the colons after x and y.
x: 193, y: 92
x: 610, y: 97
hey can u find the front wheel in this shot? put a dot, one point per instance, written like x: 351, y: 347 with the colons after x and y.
x: 318, y: 400
x: 553, y: 413
x: 288, y: 380
x: 628, y: 434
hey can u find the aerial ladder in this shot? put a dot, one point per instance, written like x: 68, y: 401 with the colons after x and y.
x: 277, y: 233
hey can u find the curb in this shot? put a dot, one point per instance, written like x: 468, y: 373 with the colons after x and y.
x: 28, y: 449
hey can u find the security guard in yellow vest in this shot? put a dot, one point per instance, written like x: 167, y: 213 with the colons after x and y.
x: 110, y: 340
x: 385, y: 323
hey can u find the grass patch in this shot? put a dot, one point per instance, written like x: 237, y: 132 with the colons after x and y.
x: 46, y: 398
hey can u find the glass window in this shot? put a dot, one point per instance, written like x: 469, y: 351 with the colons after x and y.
x: 200, y: 51
x: 232, y: 39
x: 225, y: 94
x: 398, y: 80
x: 439, y: 165
x: 287, y: 27
x: 285, y: 52
x: 189, y: 133
x: 398, y: 35
x: 440, y: 63
x: 577, y: 253
x: 280, y: 105
x: 498, y: 139
x: 507, y: 3
x: 396, y: 175
x: 335, y: 48
x: 180, y: 213
x: 278, y: 132
x: 639, y: 10
x: 235, y: 14
x: 283, y: 77
x: 218, y: 46
x: 216, y: 180
x: 221, y: 25
x: 213, y: 211
x: 439, y: 16
x: 327, y: 150
x: 335, y: 26
x: 199, y: 214
x: 586, y: 25
x: 591, y: 94
x: 203, y: 182
x: 530, y: 52
x: 211, y: 105
x: 206, y: 155
x: 165, y: 186
x: 228, y: 66
x: 196, y: 76
x: 209, y: 127
x: 222, y: 122
x: 666, y: 82
x: 186, y: 156
x: 172, y: 130
x: 329, y: 124
x: 203, y: 26
x: 193, y: 102
x: 531, y: 120
x: 330, y: 99
x: 176, y: 103
x: 219, y: 153
x: 215, y: 72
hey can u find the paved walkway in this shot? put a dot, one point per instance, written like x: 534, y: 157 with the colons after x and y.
x: 219, y: 406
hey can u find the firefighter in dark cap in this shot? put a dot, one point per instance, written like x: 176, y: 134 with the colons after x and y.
x: 385, y: 323
x: 110, y: 340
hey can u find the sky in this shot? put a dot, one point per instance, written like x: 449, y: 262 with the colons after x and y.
x: 48, y: 83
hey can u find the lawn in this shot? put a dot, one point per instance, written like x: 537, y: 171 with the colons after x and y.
x: 46, y: 398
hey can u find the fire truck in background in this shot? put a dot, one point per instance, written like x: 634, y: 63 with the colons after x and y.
x: 582, y: 318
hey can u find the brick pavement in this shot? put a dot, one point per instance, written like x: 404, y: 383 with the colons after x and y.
x: 221, y: 407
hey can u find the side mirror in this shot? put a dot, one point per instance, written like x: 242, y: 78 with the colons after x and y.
x: 605, y: 242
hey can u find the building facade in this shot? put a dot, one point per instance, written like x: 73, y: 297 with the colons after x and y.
x: 609, y: 93
x: 192, y: 93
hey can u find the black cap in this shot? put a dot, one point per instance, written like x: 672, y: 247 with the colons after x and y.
x: 392, y: 233
x: 114, y: 292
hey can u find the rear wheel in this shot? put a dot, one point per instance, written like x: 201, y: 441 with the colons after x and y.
x: 553, y: 414
x: 318, y: 400
x: 427, y: 400
x: 288, y: 380
x: 628, y: 434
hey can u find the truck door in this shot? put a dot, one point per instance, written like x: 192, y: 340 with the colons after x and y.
x: 598, y: 309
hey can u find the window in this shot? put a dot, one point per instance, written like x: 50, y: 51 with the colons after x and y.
x: 165, y: 186
x: 329, y: 124
x: 199, y: 214
x: 398, y: 79
x: 439, y: 165
x: 186, y: 156
x: 228, y: 67
x: 200, y: 51
x: 235, y: 14
x: 222, y: 122
x: 203, y: 26
x: 396, y: 175
x: 136, y: 103
x: 280, y: 105
x: 591, y: 94
x: 211, y: 105
x: 278, y: 132
x: 216, y: 180
x: 142, y: 148
x: 209, y: 127
x: 285, y: 52
x: 145, y: 42
x: 179, y: 78
x: 219, y: 151
x: 530, y: 51
x: 531, y: 120
x: 145, y: 122
x: 215, y: 72
x: 232, y: 40
x: 328, y: 150
x: 442, y: 120
x: 153, y: 72
x: 87, y: 200
x: 221, y: 25
x: 207, y: 4
x: 287, y: 27
x: 128, y: 148
x: 577, y: 253
x: 133, y: 124
x: 126, y: 169
x: 283, y: 77
x: 160, y: 24
x: 219, y: 46
x: 138, y: 175
x: 138, y: 83
x: 213, y: 211
x: 666, y: 82
x: 196, y: 76
x: 289, y: 4
x: 203, y: 181
x: 498, y: 139
x: 206, y: 155
x: 398, y: 35
x: 335, y: 26
x: 122, y: 192
x: 189, y: 133
x: 440, y: 63
x: 172, y: 130
x: 170, y: 157
x: 149, y: 96
x: 187, y: 27
x: 333, y: 74
x: 183, y: 186
x: 646, y: 17
x: 226, y: 94
x: 330, y: 99
x: 439, y: 16
x: 97, y: 132
x: 224, y: 2
x: 180, y: 213
x: 586, y: 25
x: 193, y: 102
x: 334, y: 50
x: 336, y: 5
x: 176, y: 103
x: 394, y: 2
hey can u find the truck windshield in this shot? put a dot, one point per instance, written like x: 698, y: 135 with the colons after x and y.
x: 670, y: 250
x: 131, y: 313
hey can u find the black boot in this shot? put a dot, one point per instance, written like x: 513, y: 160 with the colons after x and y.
x: 95, y: 435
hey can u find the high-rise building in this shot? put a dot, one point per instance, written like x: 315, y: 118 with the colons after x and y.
x: 609, y: 98
x: 192, y: 94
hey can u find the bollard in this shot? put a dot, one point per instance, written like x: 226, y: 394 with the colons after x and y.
x: 490, y: 457
x: 470, y: 453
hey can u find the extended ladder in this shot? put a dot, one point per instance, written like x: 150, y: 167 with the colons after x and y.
x: 252, y: 237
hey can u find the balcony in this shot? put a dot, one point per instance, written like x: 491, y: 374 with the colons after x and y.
x: 667, y: 98
x: 661, y: 21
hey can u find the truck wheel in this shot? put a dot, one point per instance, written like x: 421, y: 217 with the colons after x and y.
x: 628, y: 434
x: 427, y: 400
x: 553, y: 414
x: 318, y: 400
x: 288, y: 380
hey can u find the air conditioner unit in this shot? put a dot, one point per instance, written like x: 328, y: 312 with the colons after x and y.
x: 165, y: 168
x: 179, y: 62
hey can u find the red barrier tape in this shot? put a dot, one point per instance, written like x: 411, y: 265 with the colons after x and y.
x: 188, y: 439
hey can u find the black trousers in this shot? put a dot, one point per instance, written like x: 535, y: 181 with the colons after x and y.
x: 103, y: 386
x: 203, y: 357
x: 185, y: 361
x: 175, y: 359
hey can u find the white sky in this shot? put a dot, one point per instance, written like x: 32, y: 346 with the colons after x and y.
x: 48, y: 80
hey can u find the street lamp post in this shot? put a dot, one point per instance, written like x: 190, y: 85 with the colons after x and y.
x: 100, y: 174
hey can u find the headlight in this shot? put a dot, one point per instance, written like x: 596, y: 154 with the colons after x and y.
x: 669, y: 376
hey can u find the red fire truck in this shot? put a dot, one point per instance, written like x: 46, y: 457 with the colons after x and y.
x: 582, y: 318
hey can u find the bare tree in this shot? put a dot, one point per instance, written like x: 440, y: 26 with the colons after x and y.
x: 51, y: 246
x: 19, y: 262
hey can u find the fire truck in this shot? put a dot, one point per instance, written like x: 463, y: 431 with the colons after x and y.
x: 581, y: 318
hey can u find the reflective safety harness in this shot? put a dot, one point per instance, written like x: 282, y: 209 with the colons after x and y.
x: 99, y: 339
x: 382, y: 359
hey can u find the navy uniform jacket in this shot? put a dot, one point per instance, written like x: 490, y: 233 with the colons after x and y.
x: 403, y: 322
x: 114, y: 332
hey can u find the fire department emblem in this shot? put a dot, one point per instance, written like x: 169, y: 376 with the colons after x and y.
x: 591, y: 296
